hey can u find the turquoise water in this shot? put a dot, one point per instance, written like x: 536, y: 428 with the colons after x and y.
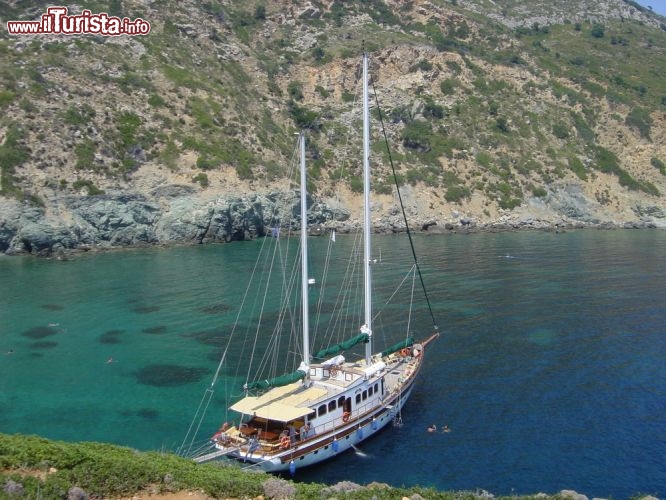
x: 549, y: 371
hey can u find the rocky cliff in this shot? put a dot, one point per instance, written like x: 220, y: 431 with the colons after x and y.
x: 499, y: 115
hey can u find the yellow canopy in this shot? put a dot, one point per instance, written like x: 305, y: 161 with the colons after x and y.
x: 282, y: 412
x: 280, y: 403
x: 248, y: 404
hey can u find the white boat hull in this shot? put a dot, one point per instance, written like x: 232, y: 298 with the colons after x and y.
x: 328, y: 445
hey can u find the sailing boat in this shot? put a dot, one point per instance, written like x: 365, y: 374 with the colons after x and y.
x: 329, y: 404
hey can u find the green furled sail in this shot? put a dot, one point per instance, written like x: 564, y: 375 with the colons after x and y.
x: 400, y: 345
x: 342, y: 346
x: 287, y: 379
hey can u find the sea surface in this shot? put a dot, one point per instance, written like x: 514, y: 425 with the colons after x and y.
x: 550, y: 370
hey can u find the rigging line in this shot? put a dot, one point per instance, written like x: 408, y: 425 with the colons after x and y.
x: 207, y: 395
x: 284, y: 219
x: 322, y: 287
x: 397, y: 289
x: 411, y: 309
x: 402, y: 207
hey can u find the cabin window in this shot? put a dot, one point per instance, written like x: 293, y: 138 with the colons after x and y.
x: 365, y: 395
x: 341, y: 401
x: 322, y: 410
x: 371, y: 390
x: 331, y: 405
x: 358, y: 398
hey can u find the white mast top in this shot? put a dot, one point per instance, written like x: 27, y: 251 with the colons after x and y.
x: 304, y: 256
x: 367, y: 228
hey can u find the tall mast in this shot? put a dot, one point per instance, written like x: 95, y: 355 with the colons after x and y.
x: 367, y: 228
x: 304, y: 256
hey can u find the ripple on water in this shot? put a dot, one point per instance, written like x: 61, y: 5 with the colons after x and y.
x: 146, y: 309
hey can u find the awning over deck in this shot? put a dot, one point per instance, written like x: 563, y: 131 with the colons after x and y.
x: 281, y: 403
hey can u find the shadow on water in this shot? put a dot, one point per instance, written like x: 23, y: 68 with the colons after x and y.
x: 39, y: 332
x: 110, y: 337
x: 214, y: 338
x: 155, y: 330
x: 144, y: 413
x: 44, y: 344
x: 215, y: 309
x: 168, y: 375
x: 146, y: 309
x: 52, y: 307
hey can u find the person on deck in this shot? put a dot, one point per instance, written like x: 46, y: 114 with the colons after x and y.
x: 292, y: 432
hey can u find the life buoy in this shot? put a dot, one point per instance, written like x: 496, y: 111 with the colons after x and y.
x: 404, y: 352
x: 285, y: 442
x: 345, y: 416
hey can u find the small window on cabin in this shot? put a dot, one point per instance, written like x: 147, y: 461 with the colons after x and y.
x: 365, y: 395
x: 331, y: 406
x: 358, y: 398
x: 322, y: 410
x: 377, y: 387
x: 341, y: 401
x: 371, y: 390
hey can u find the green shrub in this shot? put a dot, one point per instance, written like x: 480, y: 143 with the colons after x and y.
x: 322, y: 91
x: 433, y: 110
x: 577, y: 167
x: 295, y: 90
x: 13, y: 153
x: 304, y: 118
x: 348, y: 96
x: 85, y: 154
x: 560, y: 130
x: 202, y: 179
x: 6, y: 98
x: 128, y: 124
x: 455, y: 194
x: 539, y: 192
x: 484, y: 159
x: 156, y: 100
x: 598, y: 31
x: 448, y: 86
x: 659, y: 165
x: 79, y: 116
x: 416, y: 135
x: 91, y: 189
x: 640, y: 119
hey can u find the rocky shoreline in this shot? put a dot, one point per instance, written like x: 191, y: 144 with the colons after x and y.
x: 175, y: 215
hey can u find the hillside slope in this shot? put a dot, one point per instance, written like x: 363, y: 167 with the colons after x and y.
x: 498, y: 113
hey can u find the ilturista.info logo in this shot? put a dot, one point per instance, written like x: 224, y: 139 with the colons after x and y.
x: 56, y: 21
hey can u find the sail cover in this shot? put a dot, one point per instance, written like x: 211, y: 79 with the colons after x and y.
x: 408, y: 342
x: 289, y: 378
x: 342, y: 346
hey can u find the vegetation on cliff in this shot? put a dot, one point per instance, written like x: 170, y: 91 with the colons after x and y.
x: 34, y: 467
x: 489, y: 106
